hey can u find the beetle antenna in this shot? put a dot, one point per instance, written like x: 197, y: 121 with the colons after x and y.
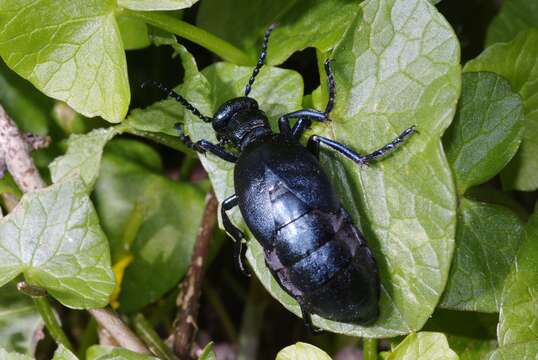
x: 178, y: 98
x: 261, y: 59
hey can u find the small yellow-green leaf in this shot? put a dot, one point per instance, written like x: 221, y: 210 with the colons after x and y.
x: 83, y: 157
x: 302, y: 351
x: 423, y: 346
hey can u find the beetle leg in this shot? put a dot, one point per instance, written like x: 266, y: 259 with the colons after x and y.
x: 307, y: 115
x: 202, y: 146
x: 236, y: 234
x: 307, y: 319
x: 316, y: 140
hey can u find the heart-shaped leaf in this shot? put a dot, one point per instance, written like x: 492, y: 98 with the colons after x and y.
x: 62, y: 353
x: 517, y: 61
x: 53, y: 237
x: 69, y: 49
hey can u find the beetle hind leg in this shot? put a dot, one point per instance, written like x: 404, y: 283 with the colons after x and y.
x: 307, y: 319
x: 236, y: 234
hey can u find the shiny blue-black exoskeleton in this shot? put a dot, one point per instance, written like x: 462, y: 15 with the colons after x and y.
x: 311, y: 245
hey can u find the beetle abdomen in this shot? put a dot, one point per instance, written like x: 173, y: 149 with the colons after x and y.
x: 322, y: 260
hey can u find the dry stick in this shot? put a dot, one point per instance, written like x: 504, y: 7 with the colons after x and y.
x: 15, y: 148
x: 185, y: 324
x: 124, y: 336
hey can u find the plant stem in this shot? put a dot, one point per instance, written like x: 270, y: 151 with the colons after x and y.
x: 369, y: 348
x: 185, y: 329
x: 144, y: 330
x: 51, y: 322
x: 193, y: 33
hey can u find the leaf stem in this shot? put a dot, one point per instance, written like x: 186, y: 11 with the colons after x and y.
x: 145, y: 331
x: 193, y: 33
x: 51, y: 322
x: 369, y: 348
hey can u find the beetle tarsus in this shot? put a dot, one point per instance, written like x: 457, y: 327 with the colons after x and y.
x: 236, y: 234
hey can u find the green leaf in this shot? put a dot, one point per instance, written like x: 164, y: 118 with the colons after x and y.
x: 152, y: 5
x: 62, y: 353
x: 53, y: 237
x: 517, y: 61
x: 487, y: 130
x: 28, y: 107
x: 487, y: 240
x: 151, y: 216
x: 208, y: 353
x: 4, y: 355
x: 471, y: 348
x: 69, y: 49
x: 423, y: 346
x: 521, y: 351
x: 98, y: 352
x: 406, y: 202
x: 18, y: 320
x: 83, y: 157
x: 134, y: 33
x: 301, y: 24
x: 517, y: 318
x: 515, y: 16
x: 302, y: 351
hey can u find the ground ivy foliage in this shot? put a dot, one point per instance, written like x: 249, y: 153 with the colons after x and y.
x: 53, y: 238
x: 422, y: 346
x: 517, y: 62
x: 483, y: 138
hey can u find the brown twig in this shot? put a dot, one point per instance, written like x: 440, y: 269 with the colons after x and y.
x: 15, y: 148
x: 185, y: 324
x: 121, y: 333
x: 15, y: 155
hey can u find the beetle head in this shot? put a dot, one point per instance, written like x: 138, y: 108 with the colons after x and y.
x: 240, y: 121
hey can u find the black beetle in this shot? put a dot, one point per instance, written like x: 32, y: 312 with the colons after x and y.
x: 311, y: 245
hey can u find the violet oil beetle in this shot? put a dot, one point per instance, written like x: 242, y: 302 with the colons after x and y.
x: 311, y: 245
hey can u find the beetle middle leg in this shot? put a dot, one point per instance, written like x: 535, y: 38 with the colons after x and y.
x: 236, y: 234
x: 306, y: 116
x: 315, y: 141
x: 202, y: 146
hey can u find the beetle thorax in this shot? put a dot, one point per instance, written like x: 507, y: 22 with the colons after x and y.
x: 241, y: 122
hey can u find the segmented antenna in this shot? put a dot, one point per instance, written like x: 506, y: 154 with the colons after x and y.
x: 261, y: 59
x: 178, y: 98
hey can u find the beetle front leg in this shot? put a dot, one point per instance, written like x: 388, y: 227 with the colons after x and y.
x: 306, y: 116
x: 202, y: 146
x: 236, y: 234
